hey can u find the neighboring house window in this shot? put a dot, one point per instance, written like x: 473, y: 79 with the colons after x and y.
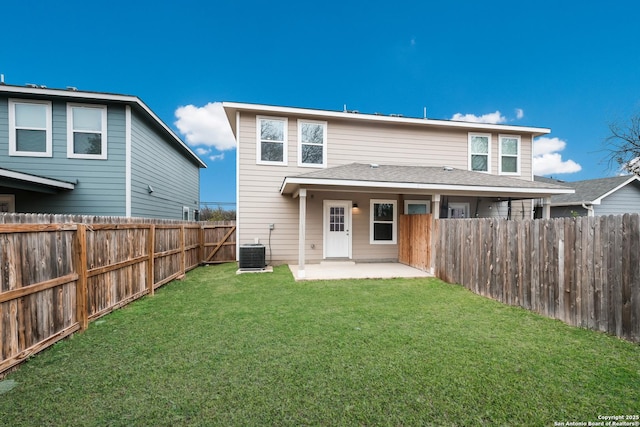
x: 312, y: 143
x: 7, y: 203
x: 509, y: 154
x: 417, y: 207
x: 272, y: 140
x: 30, y: 127
x: 479, y: 149
x: 185, y: 213
x: 86, y: 131
x: 384, y: 217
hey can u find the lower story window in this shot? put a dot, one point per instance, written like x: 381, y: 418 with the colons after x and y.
x: 384, y: 222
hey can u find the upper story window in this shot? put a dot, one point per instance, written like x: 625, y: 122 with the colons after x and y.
x: 384, y: 222
x: 509, y: 154
x: 86, y: 131
x: 272, y: 140
x: 479, y: 152
x: 30, y: 127
x: 312, y: 143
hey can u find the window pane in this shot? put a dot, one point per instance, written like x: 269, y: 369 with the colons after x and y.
x: 510, y: 146
x: 272, y: 152
x: 479, y: 163
x: 383, y: 231
x: 87, y: 143
x: 31, y: 140
x: 383, y: 212
x: 479, y: 145
x: 87, y: 119
x: 509, y: 164
x: 31, y: 116
x: 312, y: 133
x: 416, y: 209
x: 272, y: 130
x: 312, y: 154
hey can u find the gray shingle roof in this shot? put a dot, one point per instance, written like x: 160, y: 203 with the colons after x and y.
x: 587, y: 191
x: 424, y: 175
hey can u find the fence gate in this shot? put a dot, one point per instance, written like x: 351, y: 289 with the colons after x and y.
x: 219, y: 242
x: 414, y: 241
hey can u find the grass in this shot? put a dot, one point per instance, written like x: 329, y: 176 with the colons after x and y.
x: 261, y: 349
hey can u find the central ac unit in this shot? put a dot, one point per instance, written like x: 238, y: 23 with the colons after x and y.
x: 252, y: 257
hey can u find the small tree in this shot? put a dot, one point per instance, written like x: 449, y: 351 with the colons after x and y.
x: 624, y: 144
x: 217, y: 214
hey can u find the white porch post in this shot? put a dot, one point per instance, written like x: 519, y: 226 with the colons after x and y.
x: 546, y: 208
x: 435, y: 206
x: 302, y: 226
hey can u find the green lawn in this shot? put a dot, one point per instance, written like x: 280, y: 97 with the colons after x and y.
x: 261, y: 349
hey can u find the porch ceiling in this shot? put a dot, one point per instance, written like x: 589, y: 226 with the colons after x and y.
x: 364, y: 178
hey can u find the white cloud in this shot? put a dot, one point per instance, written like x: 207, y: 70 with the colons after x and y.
x: 206, y: 125
x: 547, y: 160
x: 202, y: 151
x: 493, y: 118
x: 216, y: 157
x: 519, y: 113
x: 546, y: 145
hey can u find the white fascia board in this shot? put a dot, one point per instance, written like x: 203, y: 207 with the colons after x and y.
x: 100, y: 97
x: 608, y: 193
x: 289, y: 182
x: 271, y: 109
x: 37, y: 179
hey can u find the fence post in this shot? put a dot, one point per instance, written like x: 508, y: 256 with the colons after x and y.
x: 183, y: 254
x: 151, y: 245
x: 201, y: 242
x: 82, y: 315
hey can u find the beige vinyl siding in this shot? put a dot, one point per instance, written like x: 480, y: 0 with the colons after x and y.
x: 260, y: 202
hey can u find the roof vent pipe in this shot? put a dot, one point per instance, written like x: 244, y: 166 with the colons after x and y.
x: 373, y: 166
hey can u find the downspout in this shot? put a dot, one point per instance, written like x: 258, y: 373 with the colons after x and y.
x: 589, y: 209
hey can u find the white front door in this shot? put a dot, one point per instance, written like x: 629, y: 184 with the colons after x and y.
x: 337, y: 229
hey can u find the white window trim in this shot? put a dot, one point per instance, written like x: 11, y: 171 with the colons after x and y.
x: 186, y: 210
x: 103, y: 132
x: 472, y: 134
x: 464, y: 205
x: 427, y: 203
x: 324, y: 144
x: 13, y: 149
x: 259, y: 141
x: 518, y: 156
x: 11, y: 200
x: 394, y: 231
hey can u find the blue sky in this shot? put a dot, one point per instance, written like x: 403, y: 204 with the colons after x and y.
x: 572, y: 66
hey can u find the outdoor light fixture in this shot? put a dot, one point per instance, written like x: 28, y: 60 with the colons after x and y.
x: 355, y: 206
x: 149, y: 189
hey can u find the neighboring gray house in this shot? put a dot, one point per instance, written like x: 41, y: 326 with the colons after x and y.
x: 78, y: 152
x: 593, y: 197
x: 318, y: 185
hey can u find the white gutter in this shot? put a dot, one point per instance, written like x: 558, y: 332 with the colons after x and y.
x: 420, y: 186
x: 37, y: 179
x: 382, y: 118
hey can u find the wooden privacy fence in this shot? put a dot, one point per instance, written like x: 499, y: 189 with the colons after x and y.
x: 414, y: 240
x: 584, y: 271
x: 57, y: 276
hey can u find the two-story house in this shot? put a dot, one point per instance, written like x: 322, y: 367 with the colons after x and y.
x: 319, y: 185
x: 78, y: 152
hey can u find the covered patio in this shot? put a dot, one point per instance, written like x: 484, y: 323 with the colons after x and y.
x: 336, y: 270
x: 341, y: 193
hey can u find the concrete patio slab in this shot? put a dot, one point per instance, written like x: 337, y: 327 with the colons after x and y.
x: 350, y: 270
